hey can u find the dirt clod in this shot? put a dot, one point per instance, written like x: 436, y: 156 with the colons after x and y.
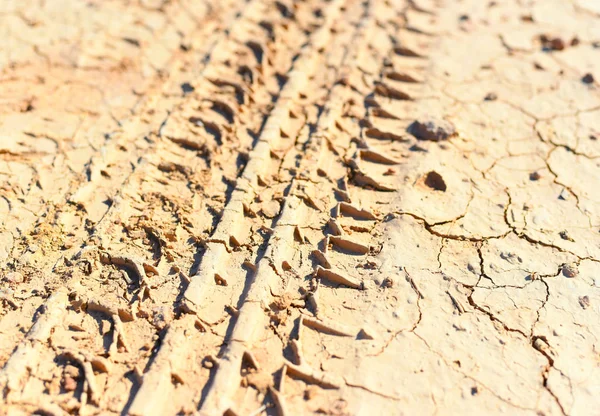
x: 435, y: 181
x: 434, y: 129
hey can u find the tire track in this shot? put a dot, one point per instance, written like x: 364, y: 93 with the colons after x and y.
x: 213, y: 267
x: 270, y: 279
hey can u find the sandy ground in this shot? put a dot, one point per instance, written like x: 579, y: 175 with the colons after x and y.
x: 349, y: 207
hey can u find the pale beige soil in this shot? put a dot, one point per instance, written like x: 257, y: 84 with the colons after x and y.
x: 352, y: 207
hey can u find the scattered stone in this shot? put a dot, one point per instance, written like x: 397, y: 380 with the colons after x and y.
x: 575, y: 41
x: 492, y: 96
x: 564, y: 195
x: 584, y: 301
x: 435, y: 181
x: 433, y: 129
x: 365, y: 334
x: 186, y: 88
x: 33, y: 248
x: 587, y: 78
x: 570, y: 270
x: 534, y: 176
x: 557, y: 44
x: 565, y: 236
x: 387, y: 282
x: 552, y: 43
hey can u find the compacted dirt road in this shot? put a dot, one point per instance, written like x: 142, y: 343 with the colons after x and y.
x: 298, y: 207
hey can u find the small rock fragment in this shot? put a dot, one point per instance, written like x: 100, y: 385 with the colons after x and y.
x: 552, y: 43
x: 365, y: 334
x: 564, y: 195
x: 186, y: 88
x: 570, y: 270
x: 387, y: 282
x: 220, y: 280
x: 492, y: 96
x: 584, y: 301
x: 433, y: 129
x: 587, y: 78
x: 565, y: 236
x: 435, y: 181
x: 534, y: 176
x: 557, y: 44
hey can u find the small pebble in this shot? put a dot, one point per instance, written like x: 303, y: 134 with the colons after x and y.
x: 565, y: 236
x: 492, y: 96
x: 387, y: 282
x: 557, y: 44
x: 434, y: 129
x: 584, y: 301
x: 587, y: 79
x: 552, y: 43
x: 570, y: 270
x: 534, y: 176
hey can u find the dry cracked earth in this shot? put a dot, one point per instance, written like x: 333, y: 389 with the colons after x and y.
x: 344, y: 207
